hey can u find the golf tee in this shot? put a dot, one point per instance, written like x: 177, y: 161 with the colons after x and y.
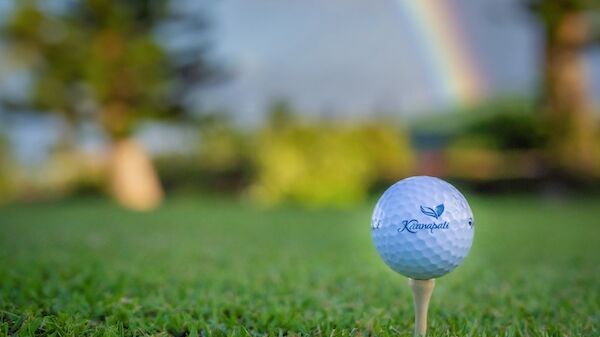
x: 421, y: 290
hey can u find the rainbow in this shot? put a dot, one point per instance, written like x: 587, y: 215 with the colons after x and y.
x: 441, y: 41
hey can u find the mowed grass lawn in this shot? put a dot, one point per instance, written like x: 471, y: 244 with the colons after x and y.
x: 219, y: 267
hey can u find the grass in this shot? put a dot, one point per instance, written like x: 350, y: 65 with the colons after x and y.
x: 215, y: 267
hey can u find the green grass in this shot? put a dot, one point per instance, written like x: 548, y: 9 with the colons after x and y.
x: 214, y: 267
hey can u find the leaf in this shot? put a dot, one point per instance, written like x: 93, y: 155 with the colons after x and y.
x: 439, y: 209
x: 428, y: 211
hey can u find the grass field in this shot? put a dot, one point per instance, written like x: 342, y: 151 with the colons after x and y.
x: 216, y: 267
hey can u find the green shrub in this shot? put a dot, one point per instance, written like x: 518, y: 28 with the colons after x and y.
x: 220, y: 164
x: 222, y: 147
x: 500, y: 140
x: 326, y: 164
x: 510, y: 125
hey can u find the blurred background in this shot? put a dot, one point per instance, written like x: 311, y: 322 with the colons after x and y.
x: 187, y: 168
x: 314, y: 103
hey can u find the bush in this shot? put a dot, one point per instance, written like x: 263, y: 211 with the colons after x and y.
x: 505, y: 140
x: 221, y: 163
x: 507, y: 126
x: 326, y: 164
x: 222, y: 147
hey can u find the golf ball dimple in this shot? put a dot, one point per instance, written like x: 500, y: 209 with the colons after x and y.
x: 422, y: 227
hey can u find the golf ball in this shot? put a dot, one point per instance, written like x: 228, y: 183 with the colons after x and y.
x: 422, y: 227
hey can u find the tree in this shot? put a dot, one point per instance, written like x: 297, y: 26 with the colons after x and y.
x: 567, y: 103
x: 101, y: 59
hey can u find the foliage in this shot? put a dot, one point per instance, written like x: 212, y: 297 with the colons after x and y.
x: 508, y: 130
x: 327, y: 163
x: 208, y: 267
x: 100, y: 57
x: 219, y: 163
x: 550, y: 12
x: 189, y: 172
x: 222, y: 146
x: 287, y: 160
x: 501, y: 140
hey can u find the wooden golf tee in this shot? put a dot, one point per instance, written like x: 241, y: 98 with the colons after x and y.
x: 421, y: 290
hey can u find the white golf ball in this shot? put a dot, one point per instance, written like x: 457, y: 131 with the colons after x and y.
x: 422, y: 227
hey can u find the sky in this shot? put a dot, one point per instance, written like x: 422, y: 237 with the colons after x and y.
x: 356, y: 57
